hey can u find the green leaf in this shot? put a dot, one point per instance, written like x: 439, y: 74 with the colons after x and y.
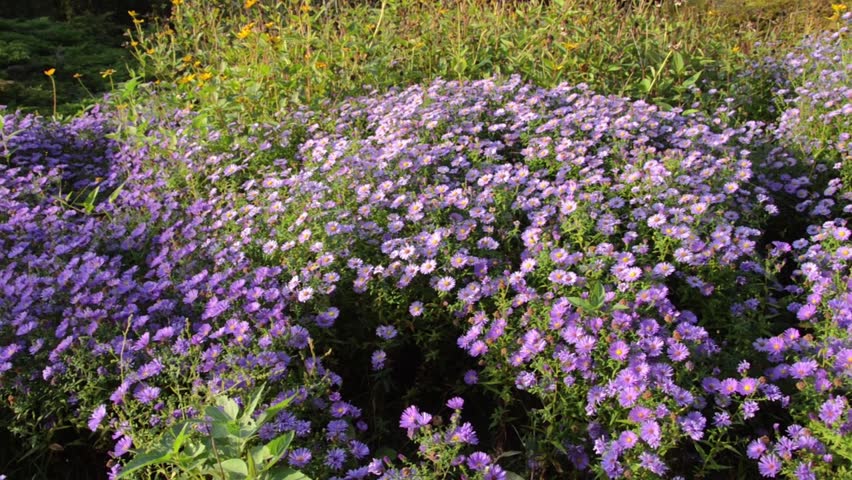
x: 252, y: 405
x: 679, y: 64
x: 114, y: 194
x: 229, y: 406
x: 143, y: 460
x: 582, y: 303
x: 235, y: 466
x: 216, y: 414
x: 596, y: 297
x: 273, y: 410
x: 513, y: 476
x: 278, y: 447
x: 620, y: 306
x: 645, y: 85
x: 691, y: 80
x: 287, y: 473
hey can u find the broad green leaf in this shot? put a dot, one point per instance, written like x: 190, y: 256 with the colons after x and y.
x: 679, y: 65
x: 143, y: 460
x: 216, y: 414
x: 286, y: 473
x: 273, y: 410
x: 513, y: 476
x: 229, y: 406
x: 691, y: 80
x: 645, y: 85
x: 260, y: 454
x: 252, y: 405
x: 582, y: 303
x: 114, y: 194
x: 235, y: 466
x: 596, y: 297
x: 278, y: 446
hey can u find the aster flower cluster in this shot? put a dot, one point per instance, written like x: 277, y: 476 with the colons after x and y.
x: 145, y: 295
x: 600, y: 264
x: 440, y: 447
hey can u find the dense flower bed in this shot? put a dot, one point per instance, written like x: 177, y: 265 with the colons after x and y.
x: 607, y: 280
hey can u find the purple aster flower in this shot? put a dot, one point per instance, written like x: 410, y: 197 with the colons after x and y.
x: 146, y: 393
x: 652, y: 463
x: 386, y: 332
x: 650, y: 433
x: 471, y: 377
x: 122, y: 446
x: 769, y: 465
x: 619, y: 350
x: 445, y: 284
x: 378, y: 359
x: 755, y: 449
x: 477, y: 461
x: 416, y: 309
x: 831, y: 410
x: 97, y: 417
x: 299, y: 457
x: 335, y: 458
x: 455, y: 403
x: 409, y: 418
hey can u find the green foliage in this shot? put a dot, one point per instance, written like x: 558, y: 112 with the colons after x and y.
x: 86, y: 45
x: 229, y: 451
x: 241, y: 62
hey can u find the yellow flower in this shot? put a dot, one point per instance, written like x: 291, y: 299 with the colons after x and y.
x: 150, y: 51
x: 249, y: 4
x: 735, y: 49
x: 132, y: 13
x: 186, y: 79
x: 138, y: 21
x: 321, y: 64
x: 177, y: 2
x: 78, y: 75
x: 50, y: 71
x: 205, y: 76
x: 305, y: 8
x: 571, y: 46
x: 245, y: 31
x: 837, y: 8
x: 107, y: 73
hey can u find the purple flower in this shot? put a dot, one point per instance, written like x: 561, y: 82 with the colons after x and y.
x: 299, y: 457
x: 122, y: 446
x: 769, y: 465
x: 445, y: 284
x: 146, y: 393
x: 477, y: 461
x: 386, y: 332
x: 335, y: 458
x: 619, y: 350
x: 455, y: 403
x: 97, y: 417
x: 471, y: 377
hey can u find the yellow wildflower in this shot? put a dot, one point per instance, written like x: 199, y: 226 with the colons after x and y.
x: 187, y: 59
x: 138, y: 21
x: 571, y: 46
x: 321, y: 64
x: 205, y: 76
x: 249, y: 4
x: 177, y: 2
x: 305, y: 8
x: 50, y: 71
x: 837, y: 8
x: 245, y: 31
x: 107, y: 73
x: 150, y: 51
x: 132, y: 13
x: 735, y: 49
x: 78, y: 75
x: 186, y: 79
x: 134, y: 43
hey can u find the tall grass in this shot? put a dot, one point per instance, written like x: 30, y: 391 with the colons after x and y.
x: 244, y: 61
